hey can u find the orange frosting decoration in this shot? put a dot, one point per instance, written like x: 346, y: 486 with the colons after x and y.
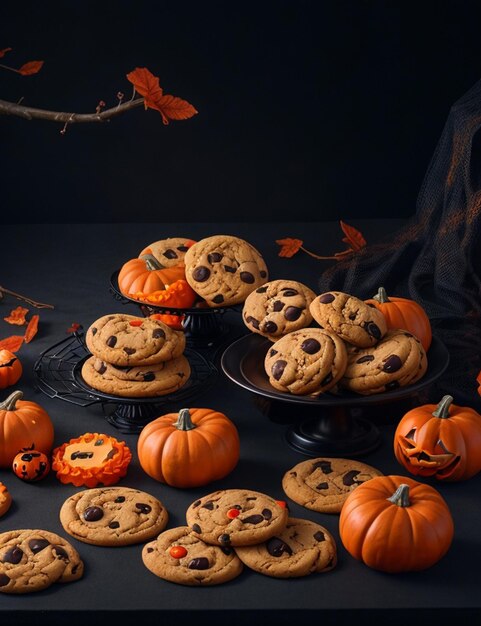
x: 91, y: 459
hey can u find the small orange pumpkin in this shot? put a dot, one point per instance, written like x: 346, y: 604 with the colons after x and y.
x: 146, y: 275
x: 189, y: 449
x: 10, y: 369
x: 395, y: 524
x: 5, y: 499
x: 441, y: 440
x: 23, y: 424
x: 404, y: 313
x: 31, y: 465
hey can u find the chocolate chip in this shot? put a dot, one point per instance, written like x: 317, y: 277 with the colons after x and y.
x: 214, y: 257
x: 143, y: 508
x: 247, y: 277
x: 14, y: 555
x: 199, y: 563
x: 148, y: 377
x: 270, y: 327
x: 29, y: 456
x: 120, y: 499
x: 102, y: 368
x: 111, y: 341
x: 237, y: 506
x: 218, y: 299
x: 112, y: 453
x: 93, y: 514
x: 114, y: 525
x: 196, y: 528
x: 394, y: 384
x: 349, y: 478
x: 276, y: 547
x: 209, y: 505
x: 319, y: 536
x: 263, y: 274
x: 150, y: 550
x: 310, y: 346
x: 288, y: 293
x: 327, y: 379
x: 374, y: 330
x: 94, y: 330
x: 170, y: 254
x: 366, y: 358
x: 293, y: 473
x: 201, y: 274
x: 231, y: 270
x: 322, y: 486
x: 278, y: 369
x: 272, y: 352
x: 227, y: 551
x: 352, y: 317
x: 4, y: 580
x: 252, y: 321
x: 196, y: 504
x: 278, y: 305
x: 324, y: 466
x: 81, y: 455
x: 253, y: 519
x: 182, y: 248
x: 261, y: 290
x: 37, y: 545
x: 392, y: 364
x: 158, y: 333
x: 292, y: 313
x: 223, y: 539
x: 61, y: 553
x: 130, y: 351
x: 266, y: 513
x: 252, y: 498
x: 325, y: 298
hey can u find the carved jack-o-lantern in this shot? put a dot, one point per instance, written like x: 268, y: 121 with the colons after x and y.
x: 31, y: 465
x: 443, y: 441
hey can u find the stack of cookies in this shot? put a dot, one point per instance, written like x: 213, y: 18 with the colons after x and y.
x: 135, y: 357
x: 350, y: 349
x: 230, y: 528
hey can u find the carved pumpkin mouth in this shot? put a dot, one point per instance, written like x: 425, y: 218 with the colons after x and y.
x: 442, y: 464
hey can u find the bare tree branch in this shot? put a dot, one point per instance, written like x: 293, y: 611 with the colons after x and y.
x: 30, y: 113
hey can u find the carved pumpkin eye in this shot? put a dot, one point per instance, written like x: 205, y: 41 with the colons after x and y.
x: 411, y: 434
x: 440, y: 448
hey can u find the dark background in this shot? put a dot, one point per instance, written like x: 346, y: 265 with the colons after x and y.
x: 308, y: 110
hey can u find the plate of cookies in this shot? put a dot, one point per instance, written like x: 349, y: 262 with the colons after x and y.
x: 327, y: 349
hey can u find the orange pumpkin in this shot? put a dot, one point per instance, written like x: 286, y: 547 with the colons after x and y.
x: 31, y: 465
x: 23, y: 424
x: 189, y: 449
x: 395, y: 524
x: 404, y: 313
x: 441, y: 440
x: 10, y: 369
x: 146, y: 275
x: 179, y: 295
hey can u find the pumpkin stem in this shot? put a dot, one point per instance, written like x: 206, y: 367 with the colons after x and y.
x: 184, y: 421
x: 151, y: 262
x: 381, y: 296
x: 401, y: 496
x: 10, y: 403
x: 442, y: 410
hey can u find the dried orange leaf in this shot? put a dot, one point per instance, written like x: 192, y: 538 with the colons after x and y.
x: 4, y: 52
x: 289, y: 246
x: 146, y: 84
x: 32, y: 328
x: 172, y: 108
x: 353, y: 236
x: 13, y: 343
x: 32, y: 67
x: 17, y: 316
x: 74, y: 327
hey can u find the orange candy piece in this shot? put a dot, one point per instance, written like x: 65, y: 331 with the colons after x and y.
x: 177, y: 552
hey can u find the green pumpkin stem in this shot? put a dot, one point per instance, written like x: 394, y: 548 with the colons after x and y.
x: 401, y: 496
x: 151, y: 263
x: 381, y: 296
x: 442, y: 410
x: 10, y: 403
x: 184, y: 421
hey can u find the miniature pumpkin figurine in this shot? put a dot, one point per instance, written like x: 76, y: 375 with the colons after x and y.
x: 441, y: 440
x: 190, y: 448
x: 396, y: 524
x: 10, y: 369
x: 146, y: 275
x: 23, y: 424
x: 31, y: 465
x: 404, y: 313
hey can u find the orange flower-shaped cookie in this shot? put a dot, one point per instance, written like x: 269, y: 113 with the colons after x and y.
x: 91, y: 459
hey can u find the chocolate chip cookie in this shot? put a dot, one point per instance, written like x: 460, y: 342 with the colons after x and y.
x: 5, y: 499
x: 349, y: 317
x: 302, y: 548
x: 224, y: 270
x: 236, y: 517
x: 32, y: 560
x: 399, y: 359
x: 277, y: 308
x: 323, y: 484
x: 113, y: 516
x: 137, y: 382
x: 168, y: 252
x: 127, y: 340
x: 306, y: 361
x: 179, y: 556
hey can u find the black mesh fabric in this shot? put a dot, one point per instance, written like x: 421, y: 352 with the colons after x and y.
x: 435, y: 259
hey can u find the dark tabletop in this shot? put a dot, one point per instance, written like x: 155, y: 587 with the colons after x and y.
x: 70, y: 266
